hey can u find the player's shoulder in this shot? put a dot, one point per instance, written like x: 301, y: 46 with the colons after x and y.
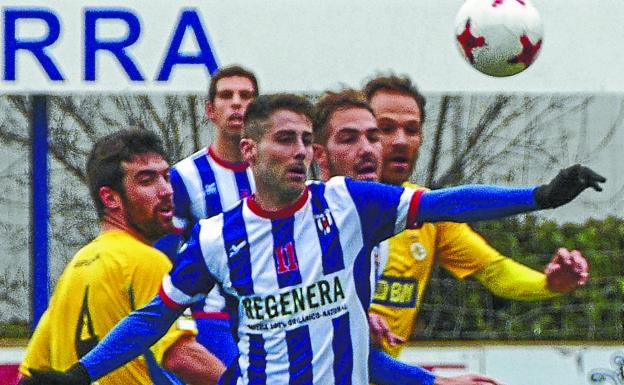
x: 120, y: 243
x: 189, y: 161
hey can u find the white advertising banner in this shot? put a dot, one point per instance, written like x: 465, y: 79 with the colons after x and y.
x: 293, y: 45
x: 525, y: 364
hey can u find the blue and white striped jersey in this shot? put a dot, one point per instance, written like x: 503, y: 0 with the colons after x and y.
x: 203, y: 186
x: 301, y: 277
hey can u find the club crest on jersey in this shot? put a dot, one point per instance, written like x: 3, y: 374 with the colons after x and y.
x: 324, y: 221
x: 285, y: 258
x: 210, y: 189
x: 419, y: 252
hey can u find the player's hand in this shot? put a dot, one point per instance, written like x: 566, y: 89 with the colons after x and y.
x: 567, y: 185
x: 76, y: 375
x: 566, y: 270
x: 380, y: 330
x: 466, y: 379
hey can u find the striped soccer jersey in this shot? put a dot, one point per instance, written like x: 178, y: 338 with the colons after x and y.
x: 203, y: 186
x: 301, y: 277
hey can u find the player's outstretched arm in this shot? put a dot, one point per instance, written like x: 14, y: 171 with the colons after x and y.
x: 192, y: 363
x: 385, y: 370
x: 127, y: 340
x: 481, y: 202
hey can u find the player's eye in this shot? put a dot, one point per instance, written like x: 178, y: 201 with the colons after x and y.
x: 374, y: 136
x: 387, y: 128
x: 225, y: 94
x: 347, y: 138
x: 246, y: 95
x: 413, y: 129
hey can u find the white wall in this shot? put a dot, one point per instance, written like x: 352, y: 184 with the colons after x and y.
x: 518, y: 365
x: 312, y: 45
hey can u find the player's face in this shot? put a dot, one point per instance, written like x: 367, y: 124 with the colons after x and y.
x: 233, y: 95
x: 353, y: 145
x: 399, y: 118
x: 284, y: 155
x: 147, y: 200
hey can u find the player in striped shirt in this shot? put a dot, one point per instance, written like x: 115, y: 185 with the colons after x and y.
x: 209, y: 181
x: 297, y: 257
x: 348, y: 142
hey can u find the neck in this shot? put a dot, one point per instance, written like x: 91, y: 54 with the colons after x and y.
x: 112, y: 222
x: 272, y: 201
x: 227, y: 148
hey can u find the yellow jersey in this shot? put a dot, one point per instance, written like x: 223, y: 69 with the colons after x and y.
x: 411, y: 256
x: 107, y: 279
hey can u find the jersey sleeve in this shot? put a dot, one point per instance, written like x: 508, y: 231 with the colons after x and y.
x: 384, y: 210
x: 183, y: 220
x: 190, y: 280
x: 462, y: 251
x: 509, y: 279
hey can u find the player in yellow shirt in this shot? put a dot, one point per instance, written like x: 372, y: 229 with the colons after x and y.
x: 411, y: 255
x: 120, y: 271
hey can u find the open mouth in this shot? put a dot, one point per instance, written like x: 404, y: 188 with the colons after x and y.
x: 297, y: 173
x: 166, y: 211
x: 367, y: 171
x: 236, y: 119
x: 400, y: 162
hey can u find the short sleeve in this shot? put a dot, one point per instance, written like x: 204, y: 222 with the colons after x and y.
x: 189, y: 280
x: 462, y: 251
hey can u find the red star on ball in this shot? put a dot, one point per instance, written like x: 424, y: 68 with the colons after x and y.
x: 529, y: 51
x: 469, y: 42
x: 499, y: 2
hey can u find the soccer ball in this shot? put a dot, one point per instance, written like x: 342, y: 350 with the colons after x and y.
x: 499, y: 37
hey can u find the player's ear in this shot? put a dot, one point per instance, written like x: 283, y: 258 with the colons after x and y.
x: 209, y: 109
x: 320, y: 157
x: 110, y: 198
x: 249, y: 150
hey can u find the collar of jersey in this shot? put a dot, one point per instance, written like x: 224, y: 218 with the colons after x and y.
x: 282, y: 213
x: 234, y: 166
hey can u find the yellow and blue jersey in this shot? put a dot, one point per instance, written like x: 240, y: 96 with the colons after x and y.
x: 107, y: 279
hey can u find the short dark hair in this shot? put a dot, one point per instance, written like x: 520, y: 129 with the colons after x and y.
x: 228, y: 72
x: 331, y: 102
x: 401, y: 84
x: 261, y: 108
x: 104, y: 162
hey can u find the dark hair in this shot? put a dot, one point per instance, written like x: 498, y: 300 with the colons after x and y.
x: 104, y: 163
x: 262, y: 107
x: 401, y: 84
x: 331, y: 102
x: 228, y: 72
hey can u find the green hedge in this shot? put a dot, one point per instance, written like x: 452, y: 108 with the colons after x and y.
x: 465, y: 310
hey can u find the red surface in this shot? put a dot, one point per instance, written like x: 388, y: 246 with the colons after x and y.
x: 8, y: 374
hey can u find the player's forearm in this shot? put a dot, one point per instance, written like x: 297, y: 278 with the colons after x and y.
x: 192, y: 363
x: 509, y: 279
x: 475, y: 202
x: 130, y: 338
x: 385, y: 370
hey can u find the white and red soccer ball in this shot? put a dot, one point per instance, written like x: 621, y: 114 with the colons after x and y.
x: 499, y: 37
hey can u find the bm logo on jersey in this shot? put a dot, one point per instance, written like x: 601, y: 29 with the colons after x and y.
x: 396, y: 292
